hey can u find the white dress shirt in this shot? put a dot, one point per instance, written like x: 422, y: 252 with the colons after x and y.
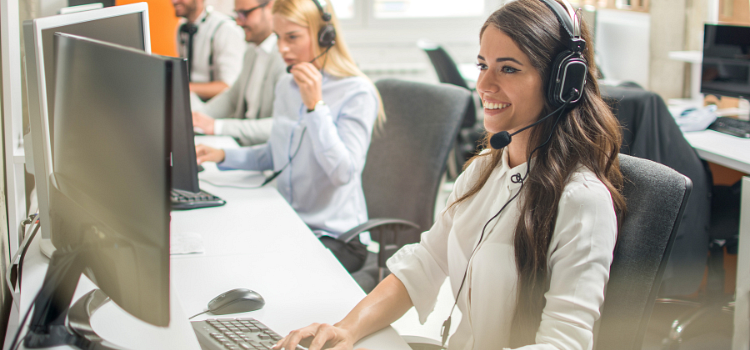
x: 579, y: 258
x: 253, y: 91
x: 323, y: 182
x: 228, y: 48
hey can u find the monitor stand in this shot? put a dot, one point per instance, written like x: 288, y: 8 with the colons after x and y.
x: 47, y: 327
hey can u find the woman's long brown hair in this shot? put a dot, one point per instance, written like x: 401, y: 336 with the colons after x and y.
x: 588, y: 135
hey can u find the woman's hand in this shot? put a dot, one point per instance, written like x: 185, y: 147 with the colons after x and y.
x: 310, y: 83
x: 203, y: 122
x: 317, y: 336
x: 204, y: 153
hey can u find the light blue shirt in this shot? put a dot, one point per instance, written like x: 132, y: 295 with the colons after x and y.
x: 323, y: 182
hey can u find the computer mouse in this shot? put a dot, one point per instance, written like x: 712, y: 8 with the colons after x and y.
x: 236, y: 301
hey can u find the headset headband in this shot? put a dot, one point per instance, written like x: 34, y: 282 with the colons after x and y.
x: 325, y: 15
x: 568, y: 19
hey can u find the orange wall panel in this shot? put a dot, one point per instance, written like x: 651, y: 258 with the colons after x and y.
x: 163, y: 25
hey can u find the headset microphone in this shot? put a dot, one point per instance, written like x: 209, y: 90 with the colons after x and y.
x: 503, y: 138
x: 500, y: 140
x: 326, y: 35
x: 289, y: 67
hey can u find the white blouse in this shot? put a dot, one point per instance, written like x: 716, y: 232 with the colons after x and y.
x: 579, y: 258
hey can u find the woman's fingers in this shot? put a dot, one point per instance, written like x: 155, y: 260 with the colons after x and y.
x: 310, y: 82
x: 291, y: 341
x: 317, y: 336
x: 325, y: 334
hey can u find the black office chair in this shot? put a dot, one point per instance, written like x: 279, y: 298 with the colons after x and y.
x: 650, y: 132
x: 656, y: 197
x: 471, y: 132
x: 405, y: 163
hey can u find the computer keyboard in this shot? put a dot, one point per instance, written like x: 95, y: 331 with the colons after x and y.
x: 234, y: 334
x: 731, y: 126
x: 182, y: 200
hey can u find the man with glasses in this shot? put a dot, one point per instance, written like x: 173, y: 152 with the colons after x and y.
x: 213, y: 45
x: 244, y: 110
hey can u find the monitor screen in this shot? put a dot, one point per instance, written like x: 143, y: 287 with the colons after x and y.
x: 126, y: 30
x: 726, y: 61
x: 125, y: 25
x: 111, y: 181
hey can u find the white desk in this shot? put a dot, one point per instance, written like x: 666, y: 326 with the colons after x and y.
x: 255, y: 241
x: 733, y: 152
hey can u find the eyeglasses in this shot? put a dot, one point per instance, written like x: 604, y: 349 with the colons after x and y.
x: 243, y: 14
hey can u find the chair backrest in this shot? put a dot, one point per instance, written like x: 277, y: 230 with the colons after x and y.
x: 407, y: 156
x: 656, y: 197
x: 649, y: 131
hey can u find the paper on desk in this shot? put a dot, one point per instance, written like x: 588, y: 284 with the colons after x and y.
x: 696, y: 119
x: 186, y: 243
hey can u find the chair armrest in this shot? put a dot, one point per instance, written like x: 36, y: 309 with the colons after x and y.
x: 373, y: 223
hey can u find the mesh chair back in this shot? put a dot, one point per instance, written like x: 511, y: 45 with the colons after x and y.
x: 656, y: 197
x: 407, y: 157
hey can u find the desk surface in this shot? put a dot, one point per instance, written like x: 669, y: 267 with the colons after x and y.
x: 726, y: 150
x: 732, y: 152
x: 255, y: 241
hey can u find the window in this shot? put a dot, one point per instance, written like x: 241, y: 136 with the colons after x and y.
x: 427, y: 8
x: 344, y: 8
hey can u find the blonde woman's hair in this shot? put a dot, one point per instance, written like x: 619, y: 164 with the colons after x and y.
x: 339, y: 61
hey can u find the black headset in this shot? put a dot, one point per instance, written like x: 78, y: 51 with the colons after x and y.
x: 567, y: 73
x: 569, y: 69
x: 327, y: 34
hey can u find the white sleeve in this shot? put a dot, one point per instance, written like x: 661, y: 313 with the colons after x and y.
x: 229, y: 49
x: 422, y: 267
x: 580, y: 256
x: 218, y: 126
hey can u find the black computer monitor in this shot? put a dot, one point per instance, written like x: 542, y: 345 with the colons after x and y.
x: 109, y: 191
x: 726, y: 60
x: 186, y: 192
x: 184, y: 165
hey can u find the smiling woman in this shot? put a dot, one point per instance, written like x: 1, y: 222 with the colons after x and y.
x: 528, y: 233
x: 510, y: 88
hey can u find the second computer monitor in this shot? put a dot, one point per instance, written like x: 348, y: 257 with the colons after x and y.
x: 184, y: 166
x: 726, y: 60
x: 125, y: 25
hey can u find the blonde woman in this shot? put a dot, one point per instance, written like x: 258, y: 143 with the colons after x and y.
x: 324, y: 112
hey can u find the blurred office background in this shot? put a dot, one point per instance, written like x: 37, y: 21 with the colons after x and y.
x: 632, y: 38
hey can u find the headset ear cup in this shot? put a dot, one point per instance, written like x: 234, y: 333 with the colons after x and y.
x: 554, y: 84
x: 568, y: 72
x: 327, y: 36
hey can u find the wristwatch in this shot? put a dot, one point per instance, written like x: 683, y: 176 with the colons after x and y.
x: 320, y: 103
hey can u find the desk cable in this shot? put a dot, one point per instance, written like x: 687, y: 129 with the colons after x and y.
x: 270, y: 178
x: 198, y: 314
